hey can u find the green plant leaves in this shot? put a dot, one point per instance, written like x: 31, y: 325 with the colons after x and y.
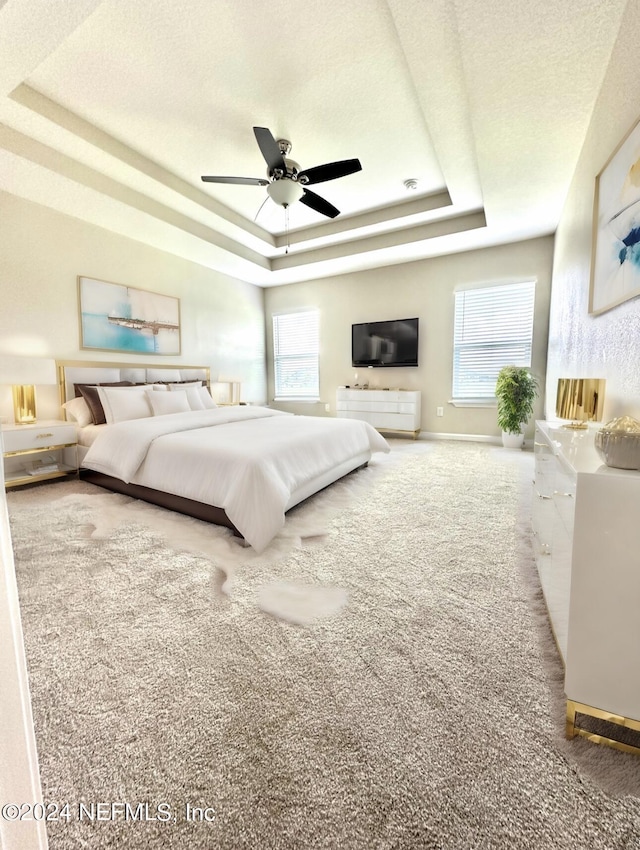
x: 516, y: 391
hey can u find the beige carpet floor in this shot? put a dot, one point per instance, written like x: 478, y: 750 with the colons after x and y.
x: 382, y: 677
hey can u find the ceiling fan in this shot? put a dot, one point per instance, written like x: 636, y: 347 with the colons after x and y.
x: 286, y: 183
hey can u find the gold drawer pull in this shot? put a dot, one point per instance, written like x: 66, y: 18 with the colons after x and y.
x: 42, y: 436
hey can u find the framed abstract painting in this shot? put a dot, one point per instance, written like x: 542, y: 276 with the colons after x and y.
x: 115, y: 317
x: 615, y: 258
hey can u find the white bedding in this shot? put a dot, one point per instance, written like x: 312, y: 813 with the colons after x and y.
x: 88, y: 433
x: 247, y: 460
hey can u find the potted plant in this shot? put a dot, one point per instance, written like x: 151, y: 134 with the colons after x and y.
x: 516, y: 391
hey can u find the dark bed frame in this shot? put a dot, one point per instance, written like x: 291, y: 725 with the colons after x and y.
x: 179, y: 504
x: 197, y: 510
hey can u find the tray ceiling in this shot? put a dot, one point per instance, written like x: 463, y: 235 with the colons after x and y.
x: 111, y: 111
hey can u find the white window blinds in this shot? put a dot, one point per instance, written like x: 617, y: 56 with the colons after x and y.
x: 296, y: 352
x: 493, y: 328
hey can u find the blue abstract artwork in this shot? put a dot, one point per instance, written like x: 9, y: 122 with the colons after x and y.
x: 615, y: 264
x: 115, y: 317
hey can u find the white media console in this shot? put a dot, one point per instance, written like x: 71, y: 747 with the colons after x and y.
x: 386, y: 410
x: 587, y: 549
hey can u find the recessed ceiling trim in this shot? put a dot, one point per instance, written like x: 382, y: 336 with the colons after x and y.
x: 59, y: 163
x: 54, y: 112
x: 433, y: 54
x: 420, y: 233
x: 390, y: 214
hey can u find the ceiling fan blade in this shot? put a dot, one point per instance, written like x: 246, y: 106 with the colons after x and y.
x: 315, y: 202
x: 270, y: 149
x: 240, y: 181
x: 330, y: 171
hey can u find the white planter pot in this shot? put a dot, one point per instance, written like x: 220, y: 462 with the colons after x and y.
x: 513, y: 441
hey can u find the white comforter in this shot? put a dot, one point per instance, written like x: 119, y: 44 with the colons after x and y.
x: 247, y: 460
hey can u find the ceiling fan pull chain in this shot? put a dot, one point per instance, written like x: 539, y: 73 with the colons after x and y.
x: 260, y: 209
x: 286, y: 226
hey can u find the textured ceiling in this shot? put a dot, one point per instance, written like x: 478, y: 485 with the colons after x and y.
x: 111, y: 111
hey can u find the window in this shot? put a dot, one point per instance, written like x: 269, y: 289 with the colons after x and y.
x: 295, y: 353
x: 493, y: 328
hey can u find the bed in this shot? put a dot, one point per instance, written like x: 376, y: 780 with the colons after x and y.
x: 163, y: 439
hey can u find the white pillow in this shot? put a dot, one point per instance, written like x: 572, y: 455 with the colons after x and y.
x: 123, y: 403
x: 168, y: 403
x: 78, y: 410
x: 193, y: 396
x: 205, y: 396
x: 179, y: 387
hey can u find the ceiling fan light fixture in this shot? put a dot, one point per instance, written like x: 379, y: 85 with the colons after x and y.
x: 286, y: 183
x: 285, y: 192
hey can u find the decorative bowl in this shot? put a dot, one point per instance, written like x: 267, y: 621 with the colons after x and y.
x: 618, y: 443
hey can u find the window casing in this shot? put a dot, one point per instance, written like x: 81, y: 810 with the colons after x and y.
x: 296, y: 351
x: 493, y: 327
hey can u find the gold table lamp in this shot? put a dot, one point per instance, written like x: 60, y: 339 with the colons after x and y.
x: 581, y: 400
x: 24, y: 374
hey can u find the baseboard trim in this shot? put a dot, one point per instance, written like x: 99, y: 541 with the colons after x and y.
x: 471, y: 438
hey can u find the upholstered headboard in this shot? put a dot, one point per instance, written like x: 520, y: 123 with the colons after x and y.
x: 78, y: 372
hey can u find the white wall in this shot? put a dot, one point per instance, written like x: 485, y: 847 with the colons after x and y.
x: 424, y: 289
x: 607, y: 345
x: 19, y: 777
x: 42, y: 252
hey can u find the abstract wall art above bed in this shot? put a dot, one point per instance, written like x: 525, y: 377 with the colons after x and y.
x: 116, y: 317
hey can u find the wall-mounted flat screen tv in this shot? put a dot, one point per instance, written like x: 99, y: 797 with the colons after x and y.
x: 393, y: 343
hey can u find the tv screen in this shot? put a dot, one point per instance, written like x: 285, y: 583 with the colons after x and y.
x: 393, y: 343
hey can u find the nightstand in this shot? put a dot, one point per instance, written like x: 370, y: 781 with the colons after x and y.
x: 47, y: 449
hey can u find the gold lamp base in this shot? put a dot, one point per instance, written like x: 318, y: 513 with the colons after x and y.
x: 24, y: 404
x: 581, y: 400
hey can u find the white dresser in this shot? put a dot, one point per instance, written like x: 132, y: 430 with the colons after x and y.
x: 386, y: 410
x: 587, y: 549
